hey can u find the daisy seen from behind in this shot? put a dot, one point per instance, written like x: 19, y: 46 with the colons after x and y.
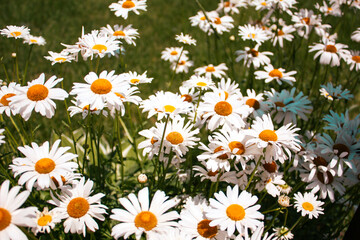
x: 11, y: 215
x: 42, y: 165
x: 141, y: 215
x: 79, y: 208
x: 123, y: 7
x: 307, y: 204
x: 38, y: 95
x: 234, y: 211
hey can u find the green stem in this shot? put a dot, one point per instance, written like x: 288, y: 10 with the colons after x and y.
x: 27, y: 65
x: 6, y: 73
x: 253, y: 172
x: 119, y: 149
x: 161, y: 144
x: 18, y: 130
x: 174, y: 71
x: 197, y: 105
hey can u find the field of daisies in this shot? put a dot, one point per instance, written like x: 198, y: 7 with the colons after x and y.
x: 229, y: 120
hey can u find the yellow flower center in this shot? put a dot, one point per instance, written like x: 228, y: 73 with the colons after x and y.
x: 217, y: 21
x: 275, y: 73
x: 252, y: 102
x: 119, y: 33
x: 236, y: 144
x: 270, y: 167
x: 33, y: 40
x: 268, y: 135
x: 44, y: 220
x: 279, y: 104
x: 78, y: 207
x: 5, y: 218
x: 187, y: 97
x: 280, y: 33
x: 174, y: 53
x: 45, y: 165
x: 201, y: 84
x: 307, y: 206
x: 146, y: 220
x: 341, y: 148
x: 169, y: 108
x: 128, y: 4
x: 203, y: 18
x: 253, y: 52
x: 212, y: 174
x: 4, y: 98
x: 356, y: 59
x: 37, y: 92
x: 321, y: 178
x: 306, y: 20
x: 181, y: 63
x: 252, y: 35
x: 320, y: 161
x: 56, y: 182
x: 205, y: 230
x: 99, y: 47
x: 175, y: 138
x: 210, y: 69
x: 222, y: 156
x: 223, y: 108
x: 264, y: 3
x: 153, y: 140
x: 101, y: 86
x: 329, y: 9
x: 135, y: 81
x: 331, y: 48
x: 15, y: 34
x: 235, y: 212
x: 226, y: 4
x: 60, y: 59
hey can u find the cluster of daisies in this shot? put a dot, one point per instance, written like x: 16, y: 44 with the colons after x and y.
x: 240, y: 143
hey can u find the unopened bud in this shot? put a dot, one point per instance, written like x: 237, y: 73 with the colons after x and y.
x: 13, y: 55
x: 284, y: 201
x: 142, y: 178
x: 232, y: 38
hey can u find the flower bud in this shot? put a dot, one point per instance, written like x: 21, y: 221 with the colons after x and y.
x: 142, y: 178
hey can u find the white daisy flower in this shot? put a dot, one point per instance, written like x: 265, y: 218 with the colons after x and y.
x: 217, y: 110
x: 354, y: 60
x: 59, y: 57
x: 200, y: 20
x: 15, y: 31
x: 98, y: 44
x: 141, y: 215
x: 6, y: 92
x: 211, y: 70
x: 183, y: 65
x: 331, y: 9
x: 45, y: 221
x: 284, y: 33
x: 330, y: 52
x: 41, y: 165
x: 287, y: 106
x: 153, y: 137
x: 331, y: 92
x: 277, y: 74
x: 306, y: 21
x: 172, y: 54
x: 179, y: 137
x: 83, y: 109
x: 256, y: 102
x: 228, y: 87
x: 194, y: 222
x: 173, y: 234
x: 127, y: 33
x: 253, y: 33
x: 283, y: 233
x: 195, y: 81
x: 355, y: 36
x: 217, y: 176
x: 276, y: 142
x: 270, y: 181
x: 186, y: 39
x: 221, y: 25
x: 261, y: 4
x: 123, y: 7
x: 189, y: 94
x: 234, y: 211
x: 135, y: 78
x: 99, y: 91
x: 307, y: 204
x: 164, y: 103
x: 12, y: 215
x: 38, y: 95
x: 32, y: 40
x: 79, y: 208
x: 231, y: 6
x: 253, y: 56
